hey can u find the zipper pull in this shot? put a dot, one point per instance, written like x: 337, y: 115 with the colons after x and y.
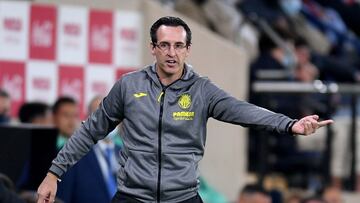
x: 161, y: 94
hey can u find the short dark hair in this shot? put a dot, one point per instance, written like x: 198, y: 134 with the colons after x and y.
x: 30, y: 111
x: 254, y: 188
x: 169, y: 21
x: 61, y: 101
x: 4, y: 94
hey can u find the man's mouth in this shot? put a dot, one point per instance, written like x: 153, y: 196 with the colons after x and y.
x: 171, y: 62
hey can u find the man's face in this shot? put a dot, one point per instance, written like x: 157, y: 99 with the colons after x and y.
x: 46, y: 119
x: 66, y: 119
x: 170, y: 61
x: 4, y: 105
x: 254, y: 198
x: 333, y: 195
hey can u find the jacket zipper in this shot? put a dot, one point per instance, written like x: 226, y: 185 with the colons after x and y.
x: 162, y: 95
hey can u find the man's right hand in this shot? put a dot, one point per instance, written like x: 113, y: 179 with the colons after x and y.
x: 47, y: 189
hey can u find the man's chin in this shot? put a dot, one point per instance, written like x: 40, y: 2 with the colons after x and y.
x: 172, y: 69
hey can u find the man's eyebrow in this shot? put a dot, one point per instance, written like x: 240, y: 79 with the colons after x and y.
x: 179, y: 42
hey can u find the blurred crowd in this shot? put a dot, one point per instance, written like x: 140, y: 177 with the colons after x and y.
x: 300, y: 41
x: 100, y: 162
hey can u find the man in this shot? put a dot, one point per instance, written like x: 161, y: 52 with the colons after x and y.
x: 96, y: 169
x: 4, y: 106
x: 332, y: 194
x: 37, y: 113
x: 254, y: 194
x: 66, y: 118
x: 164, y: 109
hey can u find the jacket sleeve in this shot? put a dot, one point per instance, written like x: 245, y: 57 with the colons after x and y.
x: 96, y: 127
x: 224, y: 107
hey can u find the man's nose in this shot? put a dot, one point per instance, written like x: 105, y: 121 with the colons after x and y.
x: 171, y: 51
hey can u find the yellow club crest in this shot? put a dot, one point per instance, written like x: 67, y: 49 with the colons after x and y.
x: 184, y: 101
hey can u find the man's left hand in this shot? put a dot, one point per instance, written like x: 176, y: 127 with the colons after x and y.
x: 308, y: 125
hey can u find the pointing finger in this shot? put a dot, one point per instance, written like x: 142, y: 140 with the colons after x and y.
x: 326, y: 122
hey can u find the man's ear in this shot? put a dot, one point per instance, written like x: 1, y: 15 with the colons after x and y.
x: 152, y: 48
x: 188, y: 49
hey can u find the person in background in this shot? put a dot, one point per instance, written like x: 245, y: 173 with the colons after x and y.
x: 97, y: 170
x: 332, y: 195
x: 4, y: 106
x: 209, y: 194
x: 314, y: 199
x: 293, y: 198
x: 254, y: 194
x: 66, y: 119
x: 37, y: 113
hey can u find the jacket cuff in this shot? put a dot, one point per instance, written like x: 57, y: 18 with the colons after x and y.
x: 289, y: 127
x: 57, y: 171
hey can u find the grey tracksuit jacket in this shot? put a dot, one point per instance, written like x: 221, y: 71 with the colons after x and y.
x: 164, y: 131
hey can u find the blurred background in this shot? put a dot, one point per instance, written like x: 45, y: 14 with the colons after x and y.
x: 58, y: 59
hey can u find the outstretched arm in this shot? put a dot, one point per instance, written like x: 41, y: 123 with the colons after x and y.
x: 308, y: 125
x: 96, y: 127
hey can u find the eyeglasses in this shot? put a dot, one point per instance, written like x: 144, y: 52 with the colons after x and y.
x: 165, y: 46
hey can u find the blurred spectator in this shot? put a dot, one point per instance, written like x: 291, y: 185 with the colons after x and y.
x: 35, y: 113
x: 97, y: 168
x: 276, y: 61
x: 293, y: 198
x: 287, y: 15
x: 331, y: 24
x: 286, y: 61
x: 4, y: 106
x: 209, y: 194
x: 305, y: 71
x: 66, y: 119
x: 299, y: 24
x: 349, y: 11
x: 253, y: 194
x: 332, y: 195
x: 314, y: 199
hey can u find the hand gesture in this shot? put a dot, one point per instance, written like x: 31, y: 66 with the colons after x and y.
x: 47, y: 189
x: 308, y: 125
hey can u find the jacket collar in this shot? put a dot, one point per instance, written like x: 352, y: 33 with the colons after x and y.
x: 188, y: 78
